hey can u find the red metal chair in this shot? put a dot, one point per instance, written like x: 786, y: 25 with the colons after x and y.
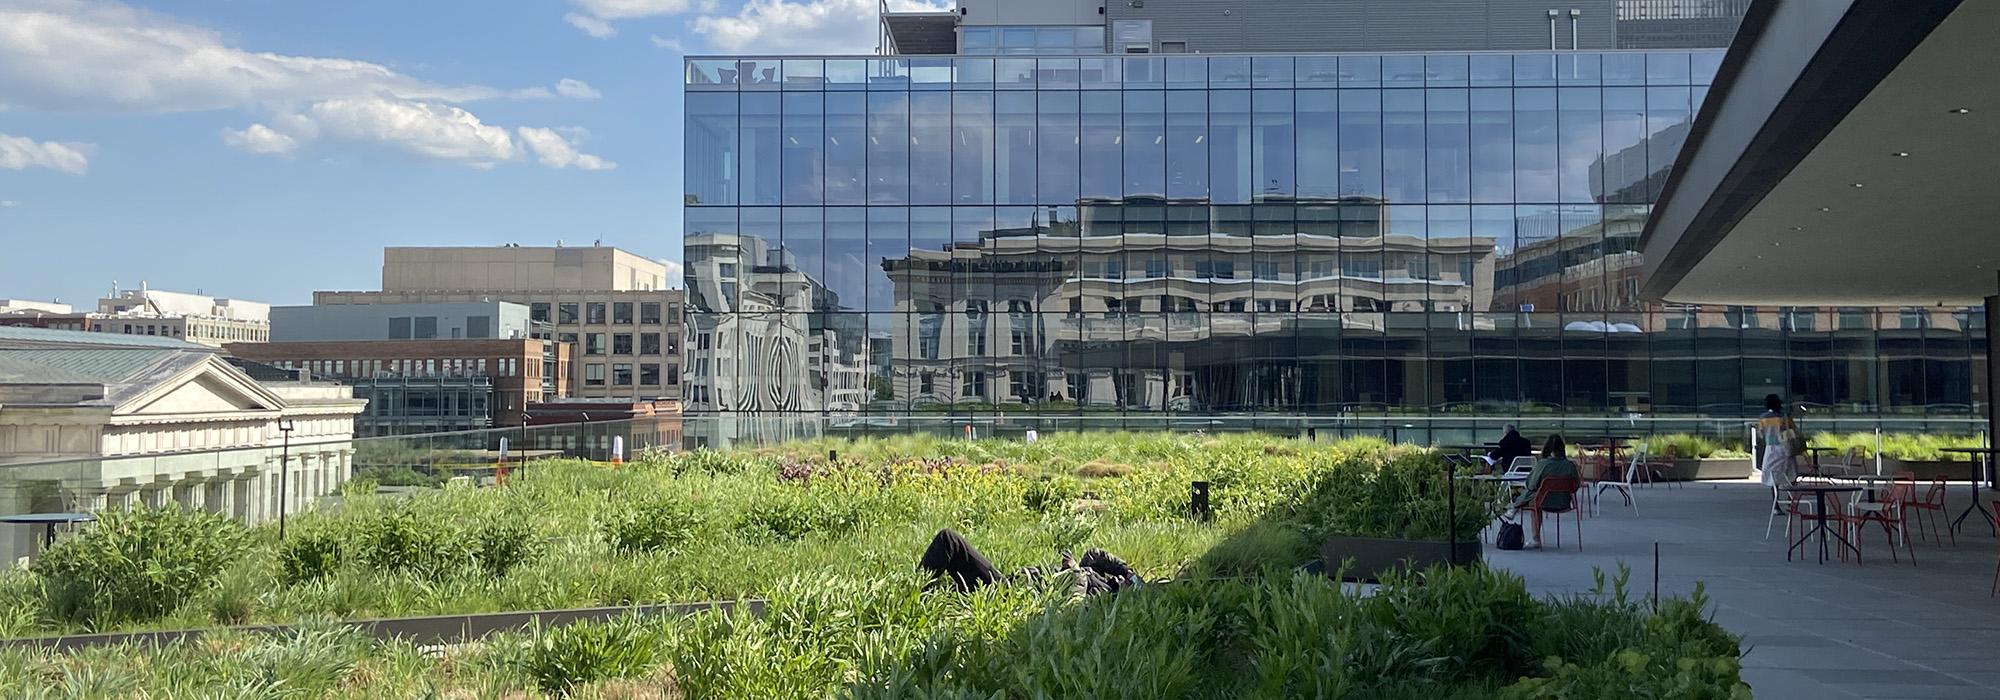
x: 1539, y: 504
x: 1933, y: 502
x: 1887, y: 512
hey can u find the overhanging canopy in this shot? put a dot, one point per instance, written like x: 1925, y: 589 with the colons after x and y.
x: 1847, y: 155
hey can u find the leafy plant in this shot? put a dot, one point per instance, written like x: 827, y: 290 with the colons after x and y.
x: 308, y: 554
x: 400, y: 539
x: 499, y: 544
x: 562, y: 658
x: 137, y: 565
x: 652, y: 525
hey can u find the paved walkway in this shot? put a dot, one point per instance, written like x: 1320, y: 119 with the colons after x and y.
x: 1878, y: 630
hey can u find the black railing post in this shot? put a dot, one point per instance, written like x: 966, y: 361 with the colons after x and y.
x: 1198, y: 500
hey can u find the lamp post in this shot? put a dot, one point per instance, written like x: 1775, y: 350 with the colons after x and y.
x: 284, y: 470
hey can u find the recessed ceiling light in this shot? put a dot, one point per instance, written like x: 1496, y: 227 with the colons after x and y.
x: 1857, y: 184
x: 1826, y: 209
x: 1901, y: 154
x: 1798, y: 228
x: 1961, y: 110
x: 1774, y: 244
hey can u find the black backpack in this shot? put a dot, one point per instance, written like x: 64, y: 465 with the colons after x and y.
x: 1511, y: 537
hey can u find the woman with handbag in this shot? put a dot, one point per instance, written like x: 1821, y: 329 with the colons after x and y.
x: 1782, y: 444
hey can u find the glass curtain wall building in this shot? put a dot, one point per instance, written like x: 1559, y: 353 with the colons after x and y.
x: 1355, y: 234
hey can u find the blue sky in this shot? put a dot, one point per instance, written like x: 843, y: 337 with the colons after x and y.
x: 263, y: 149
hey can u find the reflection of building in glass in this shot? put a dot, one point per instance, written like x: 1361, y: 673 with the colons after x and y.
x: 1051, y: 232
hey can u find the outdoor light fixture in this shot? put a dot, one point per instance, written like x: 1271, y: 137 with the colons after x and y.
x: 284, y: 468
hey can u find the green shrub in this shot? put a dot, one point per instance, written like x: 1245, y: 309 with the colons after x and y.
x: 562, y: 658
x: 655, y: 524
x: 399, y: 539
x: 792, y: 513
x: 137, y: 565
x: 402, y: 475
x: 309, y: 554
x: 234, y: 599
x: 501, y: 543
x: 1052, y: 494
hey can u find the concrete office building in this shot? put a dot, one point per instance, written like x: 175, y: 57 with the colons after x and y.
x: 198, y: 318
x: 201, y: 319
x: 92, y: 422
x: 433, y: 321
x: 1038, y: 226
x: 614, y: 307
x: 423, y: 368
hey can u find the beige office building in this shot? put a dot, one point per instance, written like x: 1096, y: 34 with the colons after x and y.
x: 614, y: 306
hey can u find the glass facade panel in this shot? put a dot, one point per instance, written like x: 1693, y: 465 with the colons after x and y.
x: 1151, y: 235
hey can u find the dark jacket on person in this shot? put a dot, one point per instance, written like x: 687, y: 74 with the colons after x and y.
x: 1511, y: 445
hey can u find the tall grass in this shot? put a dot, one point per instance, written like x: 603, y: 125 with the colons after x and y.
x: 831, y: 541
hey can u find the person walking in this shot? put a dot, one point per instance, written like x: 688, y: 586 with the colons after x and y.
x: 1780, y: 467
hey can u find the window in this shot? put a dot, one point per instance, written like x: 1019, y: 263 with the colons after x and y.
x: 673, y: 375
x: 399, y: 328
x: 649, y: 312
x: 1156, y: 267
x: 975, y: 385
x: 621, y: 344
x: 673, y: 344
x: 593, y: 312
x: 479, y: 326
x: 925, y: 383
x: 649, y: 374
x: 593, y: 375
x: 621, y: 374
x: 701, y: 341
x: 539, y: 312
x: 566, y: 312
x: 1079, y: 386
x: 621, y: 313
x: 1022, y: 386
x: 593, y: 344
x: 649, y: 343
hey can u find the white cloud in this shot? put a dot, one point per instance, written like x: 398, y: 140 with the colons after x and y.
x: 676, y: 275
x: 71, y: 55
x: 576, y: 89
x: 809, y: 26
x: 593, y: 26
x: 98, y: 56
x: 668, y: 43
x: 439, y: 131
x: 9, y: 204
x: 557, y: 152
x: 595, y: 16
x: 631, y: 9
x: 22, y: 153
x: 260, y: 140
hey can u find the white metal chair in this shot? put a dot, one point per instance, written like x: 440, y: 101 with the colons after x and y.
x: 1624, y: 483
x: 1521, y: 466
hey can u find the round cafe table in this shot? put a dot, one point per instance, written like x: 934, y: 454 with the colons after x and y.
x: 1820, y: 492
x: 1985, y: 455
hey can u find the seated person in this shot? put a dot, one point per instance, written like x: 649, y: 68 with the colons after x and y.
x: 951, y: 559
x: 1555, y: 463
x: 1512, y: 445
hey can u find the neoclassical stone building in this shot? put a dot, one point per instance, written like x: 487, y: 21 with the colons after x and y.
x: 89, y: 422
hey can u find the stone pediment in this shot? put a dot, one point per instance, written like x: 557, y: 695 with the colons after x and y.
x: 207, y: 387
